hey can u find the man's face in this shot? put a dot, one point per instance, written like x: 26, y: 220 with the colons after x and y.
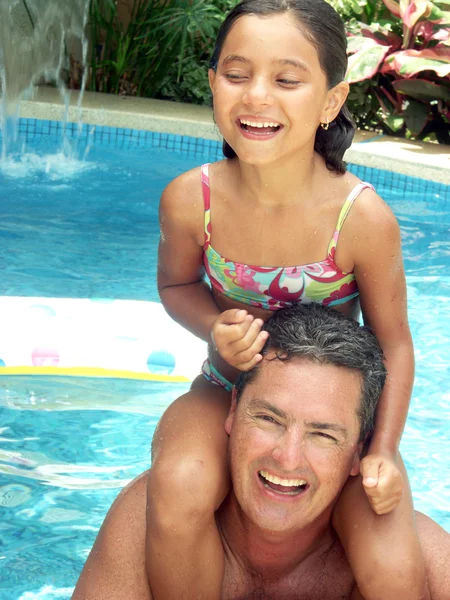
x: 293, y: 442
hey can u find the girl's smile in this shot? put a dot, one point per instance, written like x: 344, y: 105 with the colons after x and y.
x: 258, y: 128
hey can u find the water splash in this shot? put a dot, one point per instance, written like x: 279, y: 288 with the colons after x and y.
x: 54, y: 167
x: 36, y: 38
x: 48, y: 592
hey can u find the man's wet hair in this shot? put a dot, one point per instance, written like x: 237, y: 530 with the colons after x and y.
x: 324, y: 335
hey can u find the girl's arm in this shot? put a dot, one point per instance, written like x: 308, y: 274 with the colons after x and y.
x: 381, y: 281
x: 185, y: 295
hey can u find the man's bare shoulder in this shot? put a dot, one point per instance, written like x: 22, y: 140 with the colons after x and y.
x: 115, y: 568
x: 435, y: 543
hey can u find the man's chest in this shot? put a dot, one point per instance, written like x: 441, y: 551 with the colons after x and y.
x: 331, y: 580
x: 314, y: 592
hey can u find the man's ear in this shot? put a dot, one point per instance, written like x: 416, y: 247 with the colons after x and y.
x: 357, y: 459
x: 211, y: 78
x: 230, y: 419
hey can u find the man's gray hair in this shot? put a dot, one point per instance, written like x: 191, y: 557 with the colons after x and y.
x: 324, y: 335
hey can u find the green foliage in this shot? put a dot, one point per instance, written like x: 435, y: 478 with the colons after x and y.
x: 364, y: 11
x: 193, y: 85
x: 399, y: 57
x: 187, y: 80
x: 401, y: 61
x: 159, y: 52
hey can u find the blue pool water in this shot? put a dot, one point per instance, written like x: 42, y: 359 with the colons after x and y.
x: 68, y: 445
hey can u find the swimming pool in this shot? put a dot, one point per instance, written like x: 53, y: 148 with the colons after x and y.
x: 67, y: 445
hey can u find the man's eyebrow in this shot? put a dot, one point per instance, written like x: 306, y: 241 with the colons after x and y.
x: 328, y: 427
x: 264, y: 405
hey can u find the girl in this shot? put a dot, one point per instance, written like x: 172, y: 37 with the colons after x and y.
x: 281, y: 197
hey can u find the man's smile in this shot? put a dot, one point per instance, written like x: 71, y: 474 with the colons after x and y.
x: 286, y: 487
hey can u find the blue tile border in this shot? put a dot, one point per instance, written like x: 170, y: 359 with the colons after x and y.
x: 101, y: 135
x: 117, y: 137
x: 402, y: 184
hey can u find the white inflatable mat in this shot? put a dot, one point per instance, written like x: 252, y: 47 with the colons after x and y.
x: 95, y: 337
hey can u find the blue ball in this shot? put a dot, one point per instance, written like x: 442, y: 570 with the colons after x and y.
x: 2, y: 363
x: 161, y: 362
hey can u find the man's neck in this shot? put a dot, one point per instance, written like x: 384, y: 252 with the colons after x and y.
x: 271, y: 555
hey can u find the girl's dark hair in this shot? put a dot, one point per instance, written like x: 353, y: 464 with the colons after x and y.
x: 325, y: 31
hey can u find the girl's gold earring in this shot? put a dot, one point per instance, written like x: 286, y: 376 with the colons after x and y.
x: 325, y: 125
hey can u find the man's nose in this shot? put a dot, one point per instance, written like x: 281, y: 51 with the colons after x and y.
x: 258, y: 92
x: 290, y: 451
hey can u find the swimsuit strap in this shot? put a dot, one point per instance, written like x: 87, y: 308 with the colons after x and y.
x: 343, y: 215
x: 207, y: 201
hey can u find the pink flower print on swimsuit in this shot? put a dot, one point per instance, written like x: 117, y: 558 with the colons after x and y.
x: 243, y: 276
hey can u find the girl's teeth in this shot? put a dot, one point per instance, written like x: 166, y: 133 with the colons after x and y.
x: 259, y: 125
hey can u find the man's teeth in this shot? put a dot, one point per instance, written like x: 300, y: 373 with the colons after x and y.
x: 279, y: 481
x: 258, y: 123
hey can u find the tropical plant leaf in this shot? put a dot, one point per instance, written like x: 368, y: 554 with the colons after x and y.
x: 414, y: 12
x: 416, y: 117
x: 393, y: 6
x: 431, y: 31
x: 394, y: 122
x: 355, y: 43
x: 364, y: 64
x: 408, y: 63
x: 421, y: 89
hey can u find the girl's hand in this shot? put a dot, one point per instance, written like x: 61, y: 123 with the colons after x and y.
x: 238, y: 338
x: 382, y: 481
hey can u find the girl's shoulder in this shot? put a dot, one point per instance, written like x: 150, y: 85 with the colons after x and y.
x: 186, y: 189
x: 182, y: 190
x: 182, y: 202
x: 368, y: 208
x: 371, y: 227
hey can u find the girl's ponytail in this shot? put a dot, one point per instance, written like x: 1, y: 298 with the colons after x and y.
x: 333, y: 142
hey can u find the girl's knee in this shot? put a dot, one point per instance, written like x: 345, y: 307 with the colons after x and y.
x: 184, y: 491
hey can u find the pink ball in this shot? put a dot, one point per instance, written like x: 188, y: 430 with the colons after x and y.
x: 45, y: 357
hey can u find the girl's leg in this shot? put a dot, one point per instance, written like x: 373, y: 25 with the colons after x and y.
x: 383, y: 550
x: 187, y: 483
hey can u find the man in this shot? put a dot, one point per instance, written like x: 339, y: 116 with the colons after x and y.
x: 297, y: 426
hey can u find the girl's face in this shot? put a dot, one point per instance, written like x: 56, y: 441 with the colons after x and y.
x: 270, y: 93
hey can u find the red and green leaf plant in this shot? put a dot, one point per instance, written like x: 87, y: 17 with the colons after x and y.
x: 401, y: 61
